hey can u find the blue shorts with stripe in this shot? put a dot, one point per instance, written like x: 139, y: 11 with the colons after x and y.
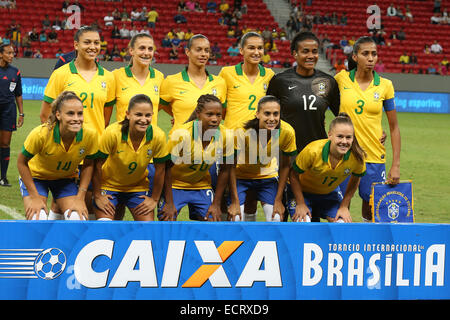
x: 265, y: 189
x: 129, y: 199
x: 198, y: 202
x: 375, y: 172
x: 60, y: 188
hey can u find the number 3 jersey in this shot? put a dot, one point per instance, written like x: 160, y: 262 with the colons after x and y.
x: 304, y: 101
x: 365, y: 108
x: 49, y: 158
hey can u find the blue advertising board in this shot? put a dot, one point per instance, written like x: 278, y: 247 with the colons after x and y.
x: 223, y: 261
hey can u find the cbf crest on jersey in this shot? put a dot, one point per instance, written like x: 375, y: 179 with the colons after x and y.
x: 376, y: 96
x: 392, y: 203
x: 214, y: 91
x: 320, y: 86
x: 103, y: 83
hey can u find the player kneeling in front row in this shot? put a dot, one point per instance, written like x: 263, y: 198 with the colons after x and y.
x: 49, y: 160
x: 265, y: 148
x: 319, y: 169
x: 125, y: 150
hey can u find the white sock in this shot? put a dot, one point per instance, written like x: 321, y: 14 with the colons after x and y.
x: 73, y: 215
x: 42, y: 215
x: 104, y: 219
x: 268, y: 211
x: 340, y: 221
x: 306, y: 219
x: 55, y: 215
x: 276, y: 218
x: 237, y: 218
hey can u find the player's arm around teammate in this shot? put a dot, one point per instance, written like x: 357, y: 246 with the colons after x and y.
x: 319, y: 169
x: 265, y: 150
x: 49, y: 161
x: 364, y: 96
x: 120, y: 175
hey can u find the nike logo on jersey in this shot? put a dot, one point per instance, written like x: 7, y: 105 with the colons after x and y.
x: 182, y: 92
x: 48, y: 154
x: 69, y: 84
x: 345, y: 88
x: 235, y: 87
x: 124, y: 88
x: 119, y: 151
x: 290, y: 88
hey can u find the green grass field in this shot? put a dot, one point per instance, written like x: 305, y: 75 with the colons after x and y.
x: 424, y: 160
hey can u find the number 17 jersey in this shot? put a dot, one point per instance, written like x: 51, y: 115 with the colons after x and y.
x: 304, y: 101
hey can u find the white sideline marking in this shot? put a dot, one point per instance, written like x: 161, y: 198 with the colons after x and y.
x: 12, y: 213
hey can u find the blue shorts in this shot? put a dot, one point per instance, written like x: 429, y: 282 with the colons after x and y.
x: 8, y: 117
x: 59, y: 188
x: 375, y: 172
x: 265, y: 189
x: 320, y: 205
x: 214, y: 173
x: 198, y: 202
x: 150, y: 176
x: 129, y: 199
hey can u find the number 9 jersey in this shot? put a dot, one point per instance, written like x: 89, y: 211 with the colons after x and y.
x: 365, y: 108
x: 304, y: 101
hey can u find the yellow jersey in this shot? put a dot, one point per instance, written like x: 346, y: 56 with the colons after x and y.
x: 242, y: 95
x: 256, y: 161
x: 365, y: 108
x: 127, y: 86
x: 125, y: 169
x: 191, y: 160
x: 314, y: 168
x: 181, y: 94
x: 97, y: 94
x: 49, y: 158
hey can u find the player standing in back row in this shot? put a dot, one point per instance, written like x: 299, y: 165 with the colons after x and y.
x: 305, y: 93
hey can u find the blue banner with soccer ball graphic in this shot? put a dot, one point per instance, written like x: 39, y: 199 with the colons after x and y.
x: 223, y: 261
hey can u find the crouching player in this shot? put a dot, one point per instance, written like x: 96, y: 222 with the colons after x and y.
x: 319, y: 169
x: 265, y: 148
x: 49, y: 162
x: 194, y: 148
x: 125, y: 150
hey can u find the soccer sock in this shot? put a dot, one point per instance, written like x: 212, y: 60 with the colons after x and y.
x: 104, y: 219
x: 4, y: 161
x: 268, y: 210
x: 73, y: 215
x: 55, y: 215
x: 42, y: 215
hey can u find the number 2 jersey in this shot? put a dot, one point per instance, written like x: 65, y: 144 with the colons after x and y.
x: 304, y: 101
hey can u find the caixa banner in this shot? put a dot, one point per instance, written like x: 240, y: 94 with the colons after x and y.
x: 223, y: 261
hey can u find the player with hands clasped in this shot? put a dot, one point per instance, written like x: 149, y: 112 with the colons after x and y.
x: 265, y: 146
x: 319, y: 169
x: 364, y: 96
x: 125, y: 150
x: 49, y: 161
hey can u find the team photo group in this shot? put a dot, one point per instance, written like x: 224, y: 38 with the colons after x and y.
x: 245, y: 138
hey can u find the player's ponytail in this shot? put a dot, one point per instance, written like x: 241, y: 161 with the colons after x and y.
x: 201, y: 102
x: 57, y: 105
x: 356, y: 149
x: 351, y: 63
x: 138, y: 98
x: 254, y: 123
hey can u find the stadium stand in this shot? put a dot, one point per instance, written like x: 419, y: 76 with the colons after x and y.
x: 420, y: 32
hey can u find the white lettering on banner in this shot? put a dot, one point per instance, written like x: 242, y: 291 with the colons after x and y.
x: 313, y: 266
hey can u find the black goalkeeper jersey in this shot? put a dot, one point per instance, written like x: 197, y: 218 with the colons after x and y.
x: 304, y: 101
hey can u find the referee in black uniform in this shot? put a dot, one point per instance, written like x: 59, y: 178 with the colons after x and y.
x: 305, y: 93
x: 10, y: 95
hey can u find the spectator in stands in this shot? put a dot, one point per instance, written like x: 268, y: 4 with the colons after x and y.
x: 175, y: 42
x: 3, y: 4
x: 46, y: 23
x: 16, y: 36
x: 379, y: 67
x: 343, y: 42
x: 124, y: 16
x: 401, y: 35
x: 436, y: 47
x: 135, y: 14
x: 275, y: 34
x: 115, y: 52
x: 413, y: 59
x: 115, y: 33
x: 326, y: 19
x: 379, y: 38
x: 57, y: 24
x: 223, y: 6
x: 211, y: 6
x: 443, y: 70
x: 266, y: 34
x: 317, y: 19
x: 445, y: 62
x: 152, y: 18
x: 283, y: 35
x: 27, y: 52
x: 59, y: 53
x: 173, y: 54
x: 12, y: 4
x: 37, y: 54
x: 339, y: 65
x: 233, y: 50
x: 215, y: 50
x: 266, y: 58
x: 391, y: 11
x: 108, y: 20
x: 179, y: 18
x: 181, y: 6
x: 144, y: 14
x: 26, y: 43
x: 124, y: 32
x: 426, y: 49
x: 190, y: 5
x: 198, y: 7
x: 52, y: 36
x: 436, y: 18
x: 344, y: 19
x: 116, y: 14
x: 431, y: 69
x: 437, y: 6
x: 145, y: 30
x: 188, y: 35
x: 445, y: 19
x: 404, y: 58
x: 42, y: 36
x: 393, y: 35
x: 65, y: 5
x: 134, y: 31
x: 400, y: 13
x: 180, y: 34
x: 408, y: 14
x: 334, y: 19
x: 166, y: 43
x: 103, y: 43
x: 347, y: 49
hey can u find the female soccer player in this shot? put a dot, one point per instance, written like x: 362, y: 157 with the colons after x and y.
x: 90, y: 81
x: 264, y: 149
x: 319, y: 169
x: 247, y: 83
x: 138, y: 77
x: 180, y: 92
x: 364, y: 96
x: 50, y: 158
x: 194, y: 147
x: 10, y: 96
x: 125, y: 150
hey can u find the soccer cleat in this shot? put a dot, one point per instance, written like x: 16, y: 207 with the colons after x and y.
x: 4, y: 183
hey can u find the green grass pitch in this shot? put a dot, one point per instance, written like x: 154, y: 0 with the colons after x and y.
x: 425, y: 159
